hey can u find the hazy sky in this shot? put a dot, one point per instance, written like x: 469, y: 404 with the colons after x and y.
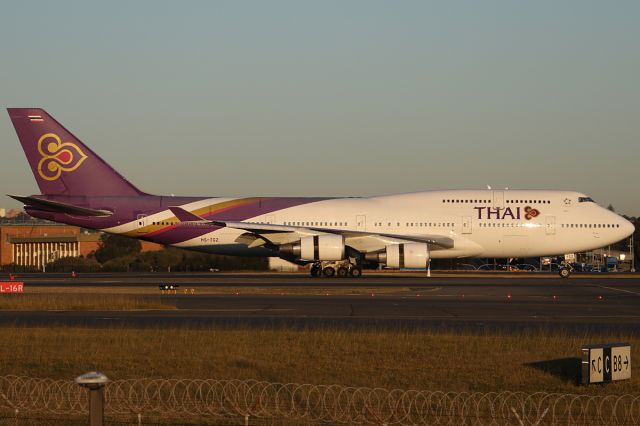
x: 334, y: 97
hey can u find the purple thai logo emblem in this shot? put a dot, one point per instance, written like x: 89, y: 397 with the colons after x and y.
x: 530, y: 213
x: 503, y: 213
x: 57, y: 156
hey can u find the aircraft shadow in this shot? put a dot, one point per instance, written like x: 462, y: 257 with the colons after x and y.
x: 564, y: 368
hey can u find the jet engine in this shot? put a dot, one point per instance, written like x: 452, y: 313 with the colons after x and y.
x: 407, y: 255
x: 317, y: 247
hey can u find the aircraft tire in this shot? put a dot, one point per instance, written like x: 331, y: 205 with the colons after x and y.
x: 564, y: 272
x: 329, y: 271
x: 356, y: 272
x: 342, y: 272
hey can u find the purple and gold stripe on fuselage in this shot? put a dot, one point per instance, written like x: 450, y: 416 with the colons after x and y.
x: 232, y: 210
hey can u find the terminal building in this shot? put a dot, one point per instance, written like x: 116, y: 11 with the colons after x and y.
x: 36, y: 244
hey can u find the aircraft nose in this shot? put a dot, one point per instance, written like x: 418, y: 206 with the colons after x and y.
x: 627, y: 227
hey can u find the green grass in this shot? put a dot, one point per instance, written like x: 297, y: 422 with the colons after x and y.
x: 375, y: 358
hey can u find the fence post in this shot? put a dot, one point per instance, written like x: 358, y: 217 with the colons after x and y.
x: 94, y: 381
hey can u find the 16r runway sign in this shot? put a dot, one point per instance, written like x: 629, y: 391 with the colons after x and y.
x: 606, y: 363
x: 11, y: 287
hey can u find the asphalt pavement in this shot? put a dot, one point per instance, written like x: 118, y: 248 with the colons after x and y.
x: 593, y: 303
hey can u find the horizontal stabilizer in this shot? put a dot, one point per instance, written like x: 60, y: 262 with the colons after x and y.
x: 185, y: 216
x: 55, y: 206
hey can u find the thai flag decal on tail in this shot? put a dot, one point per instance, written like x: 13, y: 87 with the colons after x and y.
x: 35, y: 118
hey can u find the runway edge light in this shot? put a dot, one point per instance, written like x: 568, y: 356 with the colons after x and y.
x: 604, y: 363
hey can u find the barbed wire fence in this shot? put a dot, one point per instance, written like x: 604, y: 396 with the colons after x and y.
x: 212, y: 401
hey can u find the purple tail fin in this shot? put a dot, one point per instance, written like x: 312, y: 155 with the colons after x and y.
x: 61, y: 164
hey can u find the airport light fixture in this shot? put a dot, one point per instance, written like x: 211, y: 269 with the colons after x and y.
x: 94, y: 381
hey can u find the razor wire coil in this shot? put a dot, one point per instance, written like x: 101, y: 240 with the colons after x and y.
x: 199, y: 399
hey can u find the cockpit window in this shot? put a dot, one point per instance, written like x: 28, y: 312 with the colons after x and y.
x: 585, y: 200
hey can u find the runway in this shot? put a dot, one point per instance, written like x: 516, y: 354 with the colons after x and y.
x: 594, y: 303
x: 302, y: 279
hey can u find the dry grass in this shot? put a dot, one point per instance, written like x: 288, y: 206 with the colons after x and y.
x: 389, y: 359
x: 80, y: 302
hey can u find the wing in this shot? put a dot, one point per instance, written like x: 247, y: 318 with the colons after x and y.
x: 258, y: 234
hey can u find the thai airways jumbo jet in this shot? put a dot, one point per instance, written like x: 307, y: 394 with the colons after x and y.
x: 335, y: 235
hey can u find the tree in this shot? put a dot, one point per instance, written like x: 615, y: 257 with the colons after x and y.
x: 114, y: 246
x: 78, y: 264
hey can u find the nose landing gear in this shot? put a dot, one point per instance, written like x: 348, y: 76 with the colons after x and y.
x: 565, y: 270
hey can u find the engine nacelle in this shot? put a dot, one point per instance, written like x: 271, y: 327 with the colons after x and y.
x: 317, y: 247
x: 407, y: 255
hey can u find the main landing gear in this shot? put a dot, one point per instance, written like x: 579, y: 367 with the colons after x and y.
x: 341, y: 269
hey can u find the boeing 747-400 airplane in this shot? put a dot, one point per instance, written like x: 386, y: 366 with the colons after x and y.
x: 335, y: 235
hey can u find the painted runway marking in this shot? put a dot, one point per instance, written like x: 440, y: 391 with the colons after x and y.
x: 617, y: 289
x: 241, y: 310
x: 599, y: 316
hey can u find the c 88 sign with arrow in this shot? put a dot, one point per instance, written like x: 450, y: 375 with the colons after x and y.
x: 606, y: 363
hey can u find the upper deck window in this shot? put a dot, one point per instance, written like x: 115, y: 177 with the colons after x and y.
x: 585, y: 200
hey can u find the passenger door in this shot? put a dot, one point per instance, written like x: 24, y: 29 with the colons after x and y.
x: 550, y: 225
x: 466, y: 225
x: 141, y: 223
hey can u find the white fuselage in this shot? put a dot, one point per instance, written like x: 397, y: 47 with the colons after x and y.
x: 482, y: 223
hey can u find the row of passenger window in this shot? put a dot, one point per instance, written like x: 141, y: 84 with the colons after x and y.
x: 528, y: 201
x: 564, y: 225
x: 590, y: 225
x: 476, y: 201
x: 436, y: 224
x: 316, y: 223
x: 506, y: 225
x: 376, y: 224
x: 415, y: 224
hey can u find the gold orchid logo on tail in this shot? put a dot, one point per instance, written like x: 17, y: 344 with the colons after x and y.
x: 57, y: 156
